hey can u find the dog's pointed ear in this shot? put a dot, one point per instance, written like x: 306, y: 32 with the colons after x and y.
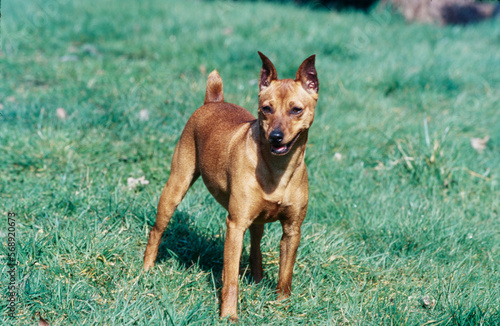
x: 267, y: 73
x: 307, y: 75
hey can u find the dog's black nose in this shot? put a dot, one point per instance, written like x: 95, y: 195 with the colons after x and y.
x: 276, y: 136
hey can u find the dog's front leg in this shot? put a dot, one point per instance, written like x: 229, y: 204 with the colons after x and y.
x: 230, y: 272
x: 288, y: 252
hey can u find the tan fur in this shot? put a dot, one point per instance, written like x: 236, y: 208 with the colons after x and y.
x: 231, y: 151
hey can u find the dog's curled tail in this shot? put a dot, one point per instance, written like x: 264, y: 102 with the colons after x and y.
x: 214, y: 91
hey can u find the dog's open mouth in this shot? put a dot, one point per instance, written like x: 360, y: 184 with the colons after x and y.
x: 283, y: 149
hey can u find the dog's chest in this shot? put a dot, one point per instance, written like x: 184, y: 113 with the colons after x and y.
x: 271, y: 211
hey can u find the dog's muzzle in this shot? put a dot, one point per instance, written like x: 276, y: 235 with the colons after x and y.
x: 275, y: 140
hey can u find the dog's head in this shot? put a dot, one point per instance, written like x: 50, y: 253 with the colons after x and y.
x: 286, y: 106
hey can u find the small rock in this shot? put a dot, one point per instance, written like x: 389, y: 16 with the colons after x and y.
x: 133, y: 182
x: 61, y: 113
x: 427, y: 302
x: 479, y: 144
x: 43, y: 322
x: 69, y: 58
x: 144, y: 115
x: 89, y: 49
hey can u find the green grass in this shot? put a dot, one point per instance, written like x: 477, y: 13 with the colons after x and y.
x: 403, y: 215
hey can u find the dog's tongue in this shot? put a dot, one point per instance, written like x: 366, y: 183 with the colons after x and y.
x: 279, y: 149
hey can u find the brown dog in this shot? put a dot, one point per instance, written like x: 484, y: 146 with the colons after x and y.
x: 253, y: 167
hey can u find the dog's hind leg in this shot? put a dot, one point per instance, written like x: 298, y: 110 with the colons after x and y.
x: 183, y: 174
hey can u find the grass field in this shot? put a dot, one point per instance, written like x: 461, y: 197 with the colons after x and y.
x: 403, y: 226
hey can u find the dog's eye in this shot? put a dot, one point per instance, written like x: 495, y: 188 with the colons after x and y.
x: 296, y: 110
x: 266, y: 109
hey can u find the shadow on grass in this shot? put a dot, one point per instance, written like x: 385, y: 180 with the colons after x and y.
x: 364, y: 5
x: 191, y: 246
